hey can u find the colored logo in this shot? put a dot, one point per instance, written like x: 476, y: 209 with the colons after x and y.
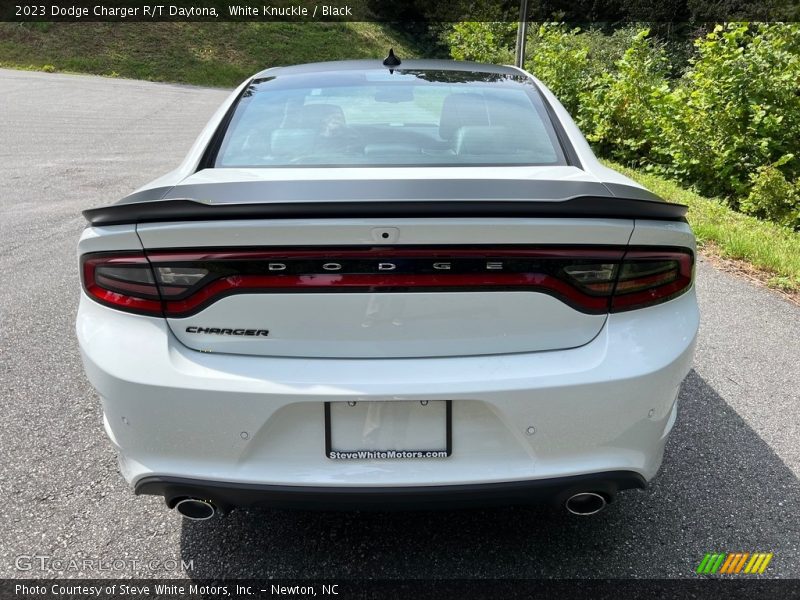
x: 734, y: 563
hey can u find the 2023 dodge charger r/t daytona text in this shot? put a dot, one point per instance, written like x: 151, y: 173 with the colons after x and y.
x: 388, y: 286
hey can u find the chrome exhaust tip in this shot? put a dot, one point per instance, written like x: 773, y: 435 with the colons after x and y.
x: 195, y: 509
x: 585, y: 503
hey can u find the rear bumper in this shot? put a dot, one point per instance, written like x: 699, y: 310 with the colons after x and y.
x: 227, y: 495
x: 176, y: 414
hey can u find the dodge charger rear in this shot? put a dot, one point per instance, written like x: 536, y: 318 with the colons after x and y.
x: 394, y: 285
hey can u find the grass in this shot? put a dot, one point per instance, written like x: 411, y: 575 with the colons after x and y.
x: 211, y: 54
x: 770, y: 248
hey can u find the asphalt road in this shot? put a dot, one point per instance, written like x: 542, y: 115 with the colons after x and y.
x: 729, y: 481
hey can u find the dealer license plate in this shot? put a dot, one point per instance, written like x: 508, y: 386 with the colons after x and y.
x: 388, y: 430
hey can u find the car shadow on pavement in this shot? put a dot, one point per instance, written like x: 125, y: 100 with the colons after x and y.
x: 721, y: 489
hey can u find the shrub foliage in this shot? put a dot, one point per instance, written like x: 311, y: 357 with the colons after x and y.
x: 729, y: 124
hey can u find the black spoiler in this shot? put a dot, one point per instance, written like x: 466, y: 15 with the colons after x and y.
x: 480, y: 198
x: 185, y: 209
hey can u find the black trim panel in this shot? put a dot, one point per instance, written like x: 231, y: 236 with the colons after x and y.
x: 192, y: 210
x: 566, y: 144
x: 210, y: 153
x: 226, y: 495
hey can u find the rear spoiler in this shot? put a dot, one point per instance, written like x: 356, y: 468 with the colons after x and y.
x: 433, y: 198
x: 186, y: 209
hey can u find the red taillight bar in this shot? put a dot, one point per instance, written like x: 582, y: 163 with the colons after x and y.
x: 658, y: 293
x: 380, y: 282
x: 137, y: 300
x: 228, y: 274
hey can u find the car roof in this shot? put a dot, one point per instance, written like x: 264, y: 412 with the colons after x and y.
x: 405, y: 65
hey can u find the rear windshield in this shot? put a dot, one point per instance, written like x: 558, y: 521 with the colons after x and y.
x: 378, y: 118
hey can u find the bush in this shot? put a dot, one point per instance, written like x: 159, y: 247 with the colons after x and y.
x: 736, y: 109
x: 560, y: 58
x: 729, y: 125
x: 572, y: 62
x: 773, y: 198
x: 623, y: 110
x: 482, y: 42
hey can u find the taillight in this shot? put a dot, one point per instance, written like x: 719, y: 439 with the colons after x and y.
x: 593, y: 280
x: 129, y: 282
x: 123, y: 281
x: 651, y: 276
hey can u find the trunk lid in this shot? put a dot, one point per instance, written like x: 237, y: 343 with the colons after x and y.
x: 382, y: 287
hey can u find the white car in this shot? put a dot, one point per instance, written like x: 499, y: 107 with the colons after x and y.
x: 386, y: 285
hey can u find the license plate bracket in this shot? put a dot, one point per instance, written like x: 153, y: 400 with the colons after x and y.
x: 390, y: 429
